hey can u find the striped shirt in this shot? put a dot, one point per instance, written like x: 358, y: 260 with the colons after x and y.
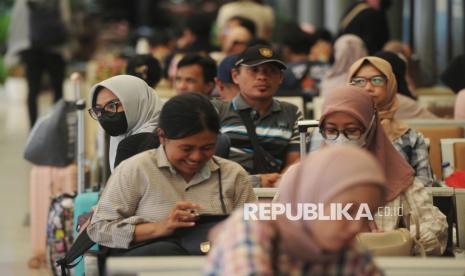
x: 246, y: 248
x: 146, y: 187
x: 277, y: 130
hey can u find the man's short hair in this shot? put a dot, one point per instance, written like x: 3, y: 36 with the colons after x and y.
x: 207, y: 64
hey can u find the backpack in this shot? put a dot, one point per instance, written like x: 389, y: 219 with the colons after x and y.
x: 45, y: 23
x: 52, y: 141
x: 60, y: 229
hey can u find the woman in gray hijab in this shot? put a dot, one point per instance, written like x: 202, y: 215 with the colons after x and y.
x: 127, y: 109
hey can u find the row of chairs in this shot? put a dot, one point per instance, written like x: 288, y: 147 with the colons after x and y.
x: 193, y: 265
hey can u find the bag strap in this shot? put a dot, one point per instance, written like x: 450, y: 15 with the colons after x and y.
x: 251, y: 131
x: 259, y: 151
x: 352, y: 14
x: 220, y: 187
x: 407, y: 219
x: 78, y: 249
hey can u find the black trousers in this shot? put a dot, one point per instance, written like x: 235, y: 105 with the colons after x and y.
x: 39, y: 61
x: 160, y: 247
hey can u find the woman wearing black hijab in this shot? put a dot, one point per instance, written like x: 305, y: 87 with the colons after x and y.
x: 408, y: 107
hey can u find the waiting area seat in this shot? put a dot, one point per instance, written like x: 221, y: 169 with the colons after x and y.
x: 453, y: 151
x: 391, y: 266
x: 435, y: 130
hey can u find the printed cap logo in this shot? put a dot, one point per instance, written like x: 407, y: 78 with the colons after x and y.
x: 266, y: 52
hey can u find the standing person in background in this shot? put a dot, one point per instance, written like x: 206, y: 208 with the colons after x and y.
x: 38, y: 34
x: 367, y: 19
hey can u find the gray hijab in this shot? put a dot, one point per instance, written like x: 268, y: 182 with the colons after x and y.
x: 141, y: 105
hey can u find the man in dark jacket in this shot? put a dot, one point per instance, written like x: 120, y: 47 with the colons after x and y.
x: 367, y: 19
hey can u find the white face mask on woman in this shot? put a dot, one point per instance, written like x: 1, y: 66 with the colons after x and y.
x: 342, y: 139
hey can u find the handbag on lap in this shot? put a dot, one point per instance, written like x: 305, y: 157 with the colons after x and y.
x: 397, y: 242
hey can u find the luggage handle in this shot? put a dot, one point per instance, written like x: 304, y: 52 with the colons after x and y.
x: 80, y: 106
x: 303, y: 126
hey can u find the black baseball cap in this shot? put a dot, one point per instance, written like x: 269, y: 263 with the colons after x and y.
x: 259, y: 54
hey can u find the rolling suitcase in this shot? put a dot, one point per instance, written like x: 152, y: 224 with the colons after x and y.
x: 85, y: 199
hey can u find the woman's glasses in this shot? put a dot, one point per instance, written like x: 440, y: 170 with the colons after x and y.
x: 362, y: 81
x: 110, y: 107
x: 351, y: 133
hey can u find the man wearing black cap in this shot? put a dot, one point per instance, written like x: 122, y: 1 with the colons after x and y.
x: 263, y: 131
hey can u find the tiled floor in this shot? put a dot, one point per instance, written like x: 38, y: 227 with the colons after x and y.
x: 15, y: 247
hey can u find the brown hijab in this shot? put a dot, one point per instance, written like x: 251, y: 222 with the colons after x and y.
x: 358, y: 103
x: 387, y: 109
x: 319, y: 177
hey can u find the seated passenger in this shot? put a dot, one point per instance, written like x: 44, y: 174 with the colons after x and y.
x: 225, y: 86
x: 146, y: 67
x: 258, y: 73
x: 339, y: 174
x: 195, y: 73
x: 349, y: 117
x: 408, y: 108
x: 126, y: 106
x: 152, y: 194
x: 375, y: 76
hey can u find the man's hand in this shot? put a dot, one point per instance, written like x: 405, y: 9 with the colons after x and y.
x: 269, y: 179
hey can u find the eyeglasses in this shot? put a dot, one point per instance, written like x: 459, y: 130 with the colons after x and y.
x: 351, y: 133
x: 110, y: 107
x: 362, y: 81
